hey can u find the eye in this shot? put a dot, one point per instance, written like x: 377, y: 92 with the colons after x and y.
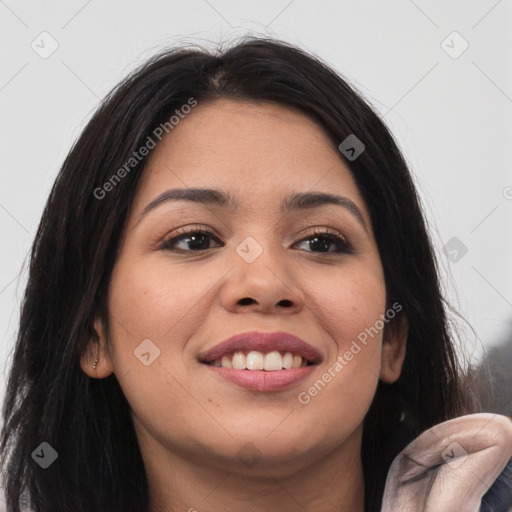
x: 192, y: 239
x: 324, y: 240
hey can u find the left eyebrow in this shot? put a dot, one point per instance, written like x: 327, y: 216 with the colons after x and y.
x: 297, y: 201
x: 307, y: 200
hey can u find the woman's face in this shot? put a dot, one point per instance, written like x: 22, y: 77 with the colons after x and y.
x: 254, y: 266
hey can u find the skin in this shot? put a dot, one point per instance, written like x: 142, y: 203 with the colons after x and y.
x: 191, y: 424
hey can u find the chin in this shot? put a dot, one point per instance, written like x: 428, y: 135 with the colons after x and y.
x: 263, y: 455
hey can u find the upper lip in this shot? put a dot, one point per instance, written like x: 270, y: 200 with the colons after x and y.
x: 262, y: 341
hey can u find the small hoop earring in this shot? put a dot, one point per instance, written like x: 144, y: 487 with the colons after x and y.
x: 402, y: 417
x: 95, y: 363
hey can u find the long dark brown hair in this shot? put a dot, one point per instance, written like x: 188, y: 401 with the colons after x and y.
x: 87, y: 421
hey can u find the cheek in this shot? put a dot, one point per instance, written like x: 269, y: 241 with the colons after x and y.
x: 156, y: 303
x: 151, y: 310
x: 351, y: 314
x: 151, y: 301
x: 349, y: 303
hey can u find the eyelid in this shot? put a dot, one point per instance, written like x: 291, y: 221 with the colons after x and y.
x: 323, y: 231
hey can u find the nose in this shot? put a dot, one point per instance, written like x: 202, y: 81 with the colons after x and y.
x: 266, y: 285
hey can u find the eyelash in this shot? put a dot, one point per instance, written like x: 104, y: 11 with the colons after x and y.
x: 341, y: 243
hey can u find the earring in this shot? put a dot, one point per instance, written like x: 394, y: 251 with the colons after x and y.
x: 402, y: 417
x: 95, y: 363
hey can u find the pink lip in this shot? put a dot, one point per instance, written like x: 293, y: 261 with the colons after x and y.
x: 261, y: 380
x: 262, y: 341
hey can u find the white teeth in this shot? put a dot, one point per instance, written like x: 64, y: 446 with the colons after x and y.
x: 287, y: 360
x: 238, y: 361
x: 226, y: 362
x: 273, y: 361
x: 255, y: 360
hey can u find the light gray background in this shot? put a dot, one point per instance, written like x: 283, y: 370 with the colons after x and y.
x: 451, y: 116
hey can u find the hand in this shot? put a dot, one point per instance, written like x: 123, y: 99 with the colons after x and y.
x: 449, y: 467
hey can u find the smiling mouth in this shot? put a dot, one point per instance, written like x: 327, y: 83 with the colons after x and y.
x: 269, y: 361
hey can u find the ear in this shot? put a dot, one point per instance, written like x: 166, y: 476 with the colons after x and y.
x: 96, y: 361
x: 394, y: 345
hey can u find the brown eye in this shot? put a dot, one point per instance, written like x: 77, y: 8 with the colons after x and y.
x: 324, y: 241
x: 191, y: 240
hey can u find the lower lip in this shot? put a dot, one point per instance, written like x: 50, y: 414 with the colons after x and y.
x: 261, y: 380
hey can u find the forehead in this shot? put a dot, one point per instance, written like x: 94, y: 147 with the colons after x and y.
x: 257, y: 151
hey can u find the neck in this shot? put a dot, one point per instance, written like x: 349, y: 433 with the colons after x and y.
x: 331, y: 482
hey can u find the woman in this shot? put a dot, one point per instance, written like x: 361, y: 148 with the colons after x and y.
x: 283, y: 368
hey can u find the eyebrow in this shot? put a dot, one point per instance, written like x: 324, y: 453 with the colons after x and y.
x: 297, y: 201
